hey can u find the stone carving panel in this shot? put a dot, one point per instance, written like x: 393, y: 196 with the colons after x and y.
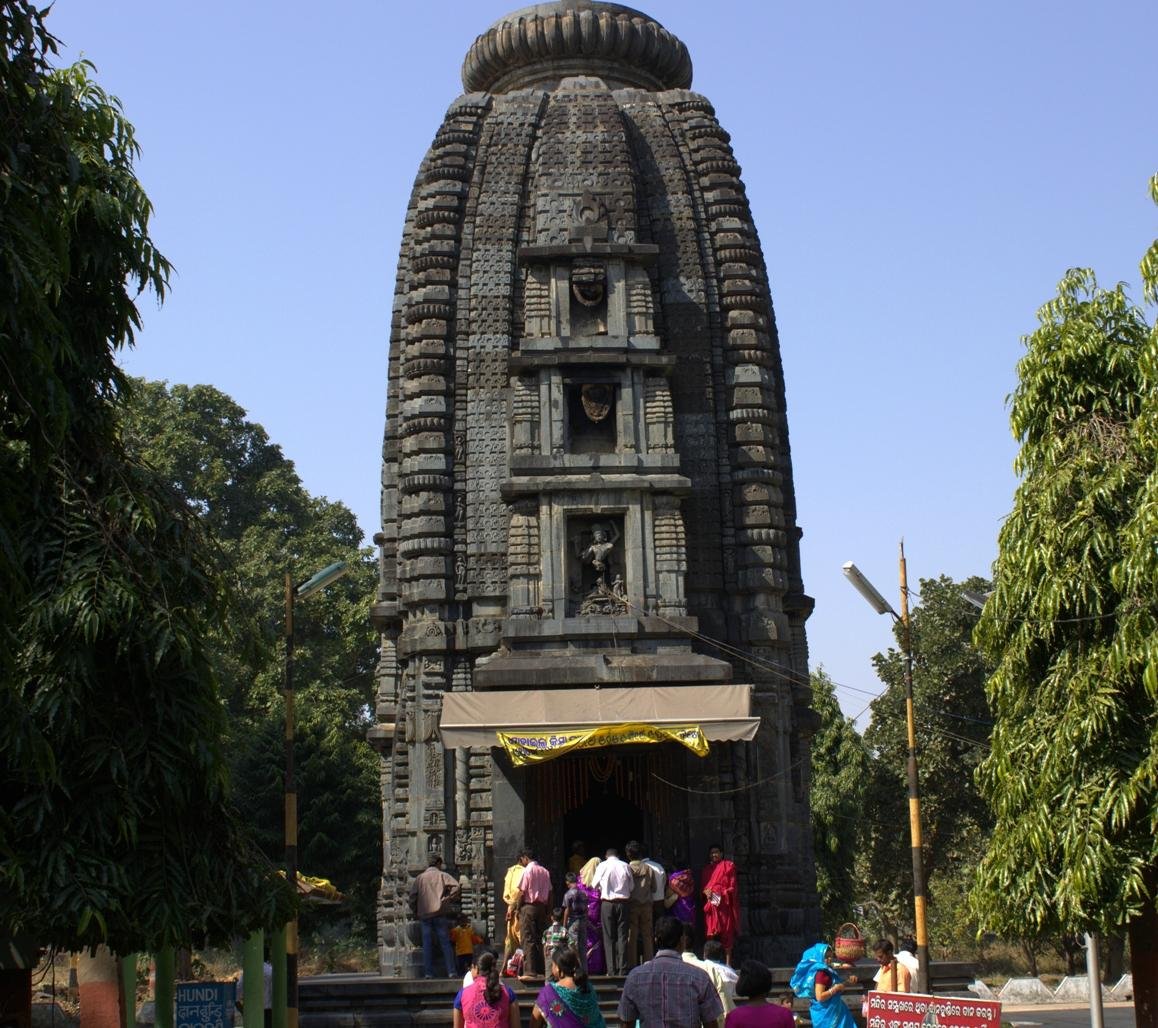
x: 640, y: 305
x: 582, y: 165
x: 657, y: 414
x: 537, y: 302
x: 525, y: 414
x: 526, y: 568
x: 670, y: 556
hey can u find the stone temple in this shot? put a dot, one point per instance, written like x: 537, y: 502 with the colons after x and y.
x: 589, y: 554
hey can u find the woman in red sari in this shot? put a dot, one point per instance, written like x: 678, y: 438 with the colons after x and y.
x: 721, y: 900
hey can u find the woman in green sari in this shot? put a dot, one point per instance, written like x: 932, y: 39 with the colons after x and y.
x: 567, y: 1000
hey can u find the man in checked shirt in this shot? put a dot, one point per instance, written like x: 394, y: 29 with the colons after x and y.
x: 666, y: 992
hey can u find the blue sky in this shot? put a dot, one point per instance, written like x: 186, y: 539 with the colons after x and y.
x: 921, y: 176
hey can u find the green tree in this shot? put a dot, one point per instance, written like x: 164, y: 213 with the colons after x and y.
x: 249, y: 498
x: 839, y: 768
x: 115, y: 824
x: 953, y: 723
x: 1073, y: 629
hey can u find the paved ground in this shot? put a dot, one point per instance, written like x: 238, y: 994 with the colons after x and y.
x: 1114, y: 1015
x: 1044, y: 1015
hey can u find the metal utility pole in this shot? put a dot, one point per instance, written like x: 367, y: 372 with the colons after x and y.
x: 875, y: 600
x: 291, y: 814
x: 914, y: 790
x: 307, y: 588
x: 1094, y: 977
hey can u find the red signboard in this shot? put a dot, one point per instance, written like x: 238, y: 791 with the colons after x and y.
x: 913, y: 1009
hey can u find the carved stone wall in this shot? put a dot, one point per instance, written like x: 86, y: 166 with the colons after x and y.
x: 579, y: 245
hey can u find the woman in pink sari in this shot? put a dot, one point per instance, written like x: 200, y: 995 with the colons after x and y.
x: 721, y: 900
x: 486, y: 1002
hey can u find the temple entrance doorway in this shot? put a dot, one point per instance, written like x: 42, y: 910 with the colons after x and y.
x: 600, y: 823
x: 604, y: 798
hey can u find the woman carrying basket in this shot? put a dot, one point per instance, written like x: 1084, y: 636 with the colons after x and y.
x: 817, y: 980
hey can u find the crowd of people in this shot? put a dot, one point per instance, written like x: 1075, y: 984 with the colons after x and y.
x: 629, y: 917
x: 675, y: 988
x: 608, y: 907
x: 672, y: 987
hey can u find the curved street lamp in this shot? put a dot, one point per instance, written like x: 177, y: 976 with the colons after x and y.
x: 293, y: 592
x: 875, y: 600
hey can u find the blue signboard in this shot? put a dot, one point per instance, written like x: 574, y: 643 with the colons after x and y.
x: 205, y: 1004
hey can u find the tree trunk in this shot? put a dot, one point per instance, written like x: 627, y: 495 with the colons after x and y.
x: 1029, y: 948
x: 100, y: 1000
x: 1114, y: 964
x: 1074, y: 953
x: 1144, y: 959
x: 16, y: 997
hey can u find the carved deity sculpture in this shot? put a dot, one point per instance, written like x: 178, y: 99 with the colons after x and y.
x: 598, y: 554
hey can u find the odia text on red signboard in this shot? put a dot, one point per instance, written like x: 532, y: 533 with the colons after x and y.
x: 913, y: 1009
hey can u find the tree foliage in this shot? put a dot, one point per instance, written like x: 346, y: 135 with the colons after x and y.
x: 1072, y: 774
x: 115, y: 824
x: 1073, y: 629
x: 839, y: 769
x: 952, y: 724
x: 74, y: 252
x: 249, y: 498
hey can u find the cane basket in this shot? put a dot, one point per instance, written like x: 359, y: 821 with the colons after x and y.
x: 849, y: 943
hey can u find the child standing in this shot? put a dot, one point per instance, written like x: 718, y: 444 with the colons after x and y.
x: 465, y: 939
x: 575, y: 918
x: 554, y: 936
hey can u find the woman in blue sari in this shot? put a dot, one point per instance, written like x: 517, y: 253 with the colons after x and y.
x: 817, y: 980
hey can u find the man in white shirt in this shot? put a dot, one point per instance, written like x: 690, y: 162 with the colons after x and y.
x: 906, y: 954
x: 723, y: 977
x: 614, y: 882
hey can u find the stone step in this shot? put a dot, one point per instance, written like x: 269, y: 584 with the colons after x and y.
x: 369, y: 1001
x: 372, y: 1001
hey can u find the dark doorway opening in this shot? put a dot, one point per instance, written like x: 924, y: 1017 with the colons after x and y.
x: 602, y: 822
x: 604, y: 798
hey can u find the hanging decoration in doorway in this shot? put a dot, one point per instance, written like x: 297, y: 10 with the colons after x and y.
x: 536, y: 747
x: 602, y: 767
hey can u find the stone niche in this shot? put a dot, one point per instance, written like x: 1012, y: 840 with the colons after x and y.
x: 592, y: 415
x: 588, y: 299
x: 595, y: 566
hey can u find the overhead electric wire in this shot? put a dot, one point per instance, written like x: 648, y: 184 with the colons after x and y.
x: 794, y: 679
x: 791, y: 677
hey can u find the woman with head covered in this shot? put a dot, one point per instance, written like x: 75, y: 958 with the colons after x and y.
x: 817, y: 980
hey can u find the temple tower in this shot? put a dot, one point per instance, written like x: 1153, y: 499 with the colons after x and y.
x: 589, y: 554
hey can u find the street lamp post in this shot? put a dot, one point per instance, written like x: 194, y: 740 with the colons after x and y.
x: 881, y: 606
x: 292, y: 593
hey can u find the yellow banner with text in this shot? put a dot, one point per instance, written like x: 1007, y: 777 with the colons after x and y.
x: 535, y: 747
